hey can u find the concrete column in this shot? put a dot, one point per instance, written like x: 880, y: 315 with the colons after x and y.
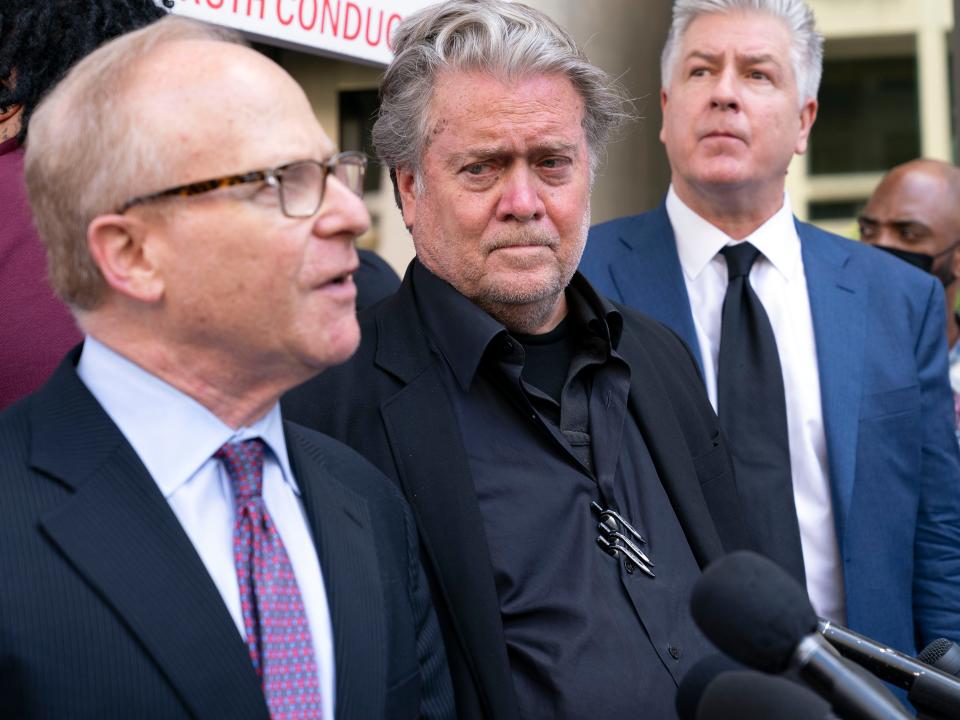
x: 934, y: 93
x: 955, y: 47
x: 625, y: 38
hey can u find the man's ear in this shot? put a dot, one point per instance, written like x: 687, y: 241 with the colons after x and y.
x: 808, y: 115
x: 407, y: 192
x: 122, y: 246
x: 663, y: 114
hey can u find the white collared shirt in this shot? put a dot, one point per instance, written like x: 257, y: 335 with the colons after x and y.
x: 175, y: 438
x: 778, y: 279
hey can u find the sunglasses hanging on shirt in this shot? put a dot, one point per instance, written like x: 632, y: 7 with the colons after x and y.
x: 618, y: 539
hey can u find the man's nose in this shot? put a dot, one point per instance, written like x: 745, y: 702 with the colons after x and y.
x: 520, y: 199
x: 341, y: 213
x: 883, y: 234
x: 725, y: 92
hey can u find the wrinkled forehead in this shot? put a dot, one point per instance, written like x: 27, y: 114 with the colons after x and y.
x: 737, y: 32
x: 533, y: 102
x: 213, y: 107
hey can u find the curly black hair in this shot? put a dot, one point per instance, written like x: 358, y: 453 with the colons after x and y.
x: 45, y: 38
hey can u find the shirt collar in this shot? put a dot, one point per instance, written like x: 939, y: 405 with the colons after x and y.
x: 461, y: 331
x: 172, y: 433
x: 698, y: 241
x: 594, y: 311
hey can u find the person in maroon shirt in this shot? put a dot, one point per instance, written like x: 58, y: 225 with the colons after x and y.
x: 38, y: 44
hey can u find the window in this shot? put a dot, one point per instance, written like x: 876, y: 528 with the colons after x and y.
x: 869, y: 115
x: 358, y: 109
x: 836, y: 209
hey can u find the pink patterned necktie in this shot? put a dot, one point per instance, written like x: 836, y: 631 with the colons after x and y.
x: 277, y: 633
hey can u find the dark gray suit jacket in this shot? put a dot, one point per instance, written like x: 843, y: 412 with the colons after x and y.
x: 107, y: 611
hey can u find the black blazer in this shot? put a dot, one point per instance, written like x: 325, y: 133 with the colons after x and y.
x: 107, y: 611
x: 374, y: 278
x: 390, y: 403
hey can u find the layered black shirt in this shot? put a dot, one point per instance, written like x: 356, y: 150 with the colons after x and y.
x: 547, y: 428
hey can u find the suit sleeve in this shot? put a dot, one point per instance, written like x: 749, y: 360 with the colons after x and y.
x: 936, y: 590
x: 436, y: 698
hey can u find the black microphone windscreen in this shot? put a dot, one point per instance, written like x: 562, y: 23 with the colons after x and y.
x: 744, y: 694
x: 943, y: 655
x: 698, y: 678
x: 752, y: 610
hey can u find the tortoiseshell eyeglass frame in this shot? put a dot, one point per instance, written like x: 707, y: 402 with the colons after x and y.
x: 271, y: 176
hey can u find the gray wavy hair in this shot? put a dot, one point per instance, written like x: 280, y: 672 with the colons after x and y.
x: 806, y: 52
x: 505, y: 39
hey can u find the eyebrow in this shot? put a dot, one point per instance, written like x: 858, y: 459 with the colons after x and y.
x: 760, y: 59
x: 499, y: 150
x: 742, y: 59
x: 495, y: 150
x: 893, y: 223
x: 909, y: 223
x: 700, y: 55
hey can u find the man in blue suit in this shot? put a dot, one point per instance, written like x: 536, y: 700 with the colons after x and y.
x: 872, y: 511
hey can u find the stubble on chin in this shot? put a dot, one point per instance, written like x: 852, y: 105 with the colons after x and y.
x: 519, y: 310
x: 529, y: 309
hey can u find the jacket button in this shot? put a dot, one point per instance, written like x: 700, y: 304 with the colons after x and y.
x: 674, y: 652
x: 629, y: 566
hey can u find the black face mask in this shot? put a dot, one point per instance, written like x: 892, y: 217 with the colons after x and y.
x: 924, y: 262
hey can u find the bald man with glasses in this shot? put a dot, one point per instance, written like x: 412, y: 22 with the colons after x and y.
x: 175, y: 549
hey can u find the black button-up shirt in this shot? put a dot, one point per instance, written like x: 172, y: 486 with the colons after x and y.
x: 547, y: 430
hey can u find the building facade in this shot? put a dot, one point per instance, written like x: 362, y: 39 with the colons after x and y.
x: 885, y: 99
x: 885, y: 96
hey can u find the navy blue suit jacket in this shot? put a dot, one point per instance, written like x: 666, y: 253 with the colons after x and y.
x: 107, y: 611
x: 887, y: 410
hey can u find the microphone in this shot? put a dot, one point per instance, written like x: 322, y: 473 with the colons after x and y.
x: 698, y: 678
x: 741, y: 694
x: 929, y: 689
x: 755, y: 612
x: 943, y: 655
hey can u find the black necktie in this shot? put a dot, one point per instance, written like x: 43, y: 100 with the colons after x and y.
x: 753, y: 414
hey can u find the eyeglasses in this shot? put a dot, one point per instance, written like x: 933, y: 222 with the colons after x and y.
x: 300, y: 184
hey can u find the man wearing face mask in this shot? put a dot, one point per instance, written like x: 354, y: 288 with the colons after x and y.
x: 913, y: 214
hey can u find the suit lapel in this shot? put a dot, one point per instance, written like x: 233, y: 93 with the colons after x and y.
x: 649, y: 276
x: 424, y: 436
x: 663, y: 436
x: 118, y: 532
x: 838, y: 297
x: 343, y: 535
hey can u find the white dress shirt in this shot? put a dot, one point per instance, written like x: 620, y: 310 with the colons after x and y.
x: 778, y: 279
x: 176, y: 438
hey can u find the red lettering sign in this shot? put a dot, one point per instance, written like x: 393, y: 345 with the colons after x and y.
x: 354, y: 28
x: 313, y: 20
x: 280, y: 17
